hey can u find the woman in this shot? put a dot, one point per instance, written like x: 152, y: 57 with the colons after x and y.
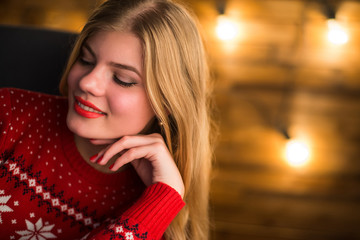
x: 127, y: 154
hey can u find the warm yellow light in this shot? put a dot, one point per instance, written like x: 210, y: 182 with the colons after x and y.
x: 336, y: 33
x: 226, y: 28
x: 297, y: 153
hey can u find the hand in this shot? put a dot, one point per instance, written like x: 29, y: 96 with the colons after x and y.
x: 149, y: 156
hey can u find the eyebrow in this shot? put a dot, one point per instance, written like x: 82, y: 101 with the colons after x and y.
x: 117, y: 65
x: 85, y: 45
x: 126, y: 67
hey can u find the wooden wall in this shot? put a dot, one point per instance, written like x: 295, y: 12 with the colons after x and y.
x: 279, y: 75
x: 283, y: 75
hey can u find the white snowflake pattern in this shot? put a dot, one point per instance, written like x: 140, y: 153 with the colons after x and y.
x: 3, y: 207
x: 129, y: 236
x: 119, y: 229
x: 36, y: 231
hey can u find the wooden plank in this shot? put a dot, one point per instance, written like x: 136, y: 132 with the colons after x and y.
x: 311, y: 207
x: 230, y: 231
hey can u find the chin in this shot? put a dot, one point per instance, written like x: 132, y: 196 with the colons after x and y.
x: 86, y: 133
x: 77, y: 128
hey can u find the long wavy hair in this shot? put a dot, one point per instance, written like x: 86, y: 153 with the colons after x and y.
x: 177, y: 85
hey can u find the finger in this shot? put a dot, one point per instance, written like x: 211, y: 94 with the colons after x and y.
x: 102, y: 141
x: 128, y: 142
x: 99, y: 156
x: 146, y: 152
x: 106, y: 142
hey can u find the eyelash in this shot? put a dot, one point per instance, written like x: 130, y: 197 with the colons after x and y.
x: 116, y: 79
x: 122, y: 83
x: 84, y: 62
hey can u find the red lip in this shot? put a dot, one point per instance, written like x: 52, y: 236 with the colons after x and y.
x: 85, y: 113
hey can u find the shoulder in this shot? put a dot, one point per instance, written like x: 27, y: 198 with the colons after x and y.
x: 25, y: 100
x: 24, y: 106
x: 23, y: 94
x: 22, y: 111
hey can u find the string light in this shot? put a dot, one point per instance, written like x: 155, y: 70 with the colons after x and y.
x: 297, y: 153
x: 226, y: 28
x: 336, y: 33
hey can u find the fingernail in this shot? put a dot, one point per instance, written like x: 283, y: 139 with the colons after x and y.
x: 111, y: 167
x: 93, y: 158
x: 100, y: 158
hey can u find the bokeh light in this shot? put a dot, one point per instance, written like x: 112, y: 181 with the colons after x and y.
x: 297, y: 153
x: 336, y: 33
x: 226, y: 29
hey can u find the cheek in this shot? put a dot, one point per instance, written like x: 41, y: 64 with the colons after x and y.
x: 73, y: 76
x: 133, y: 105
x: 122, y: 103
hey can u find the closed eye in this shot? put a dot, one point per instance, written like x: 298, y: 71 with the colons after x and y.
x: 122, y: 83
x: 85, y: 62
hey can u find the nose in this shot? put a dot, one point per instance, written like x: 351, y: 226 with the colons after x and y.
x: 93, y: 82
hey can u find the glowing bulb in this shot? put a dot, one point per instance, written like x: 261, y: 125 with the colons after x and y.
x: 297, y: 153
x: 226, y: 29
x: 336, y: 33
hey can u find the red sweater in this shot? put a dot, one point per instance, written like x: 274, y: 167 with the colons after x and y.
x: 48, y: 191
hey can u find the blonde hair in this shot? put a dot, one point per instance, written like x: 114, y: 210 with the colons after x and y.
x: 177, y: 84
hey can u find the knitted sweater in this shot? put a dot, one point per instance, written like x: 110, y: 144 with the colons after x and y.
x: 48, y: 191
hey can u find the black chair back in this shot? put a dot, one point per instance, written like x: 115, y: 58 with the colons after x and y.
x: 32, y: 58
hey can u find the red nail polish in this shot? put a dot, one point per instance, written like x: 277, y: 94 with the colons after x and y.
x: 93, y: 158
x: 100, y: 158
x: 112, y: 165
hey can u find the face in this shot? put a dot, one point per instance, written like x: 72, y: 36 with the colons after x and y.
x: 107, y: 97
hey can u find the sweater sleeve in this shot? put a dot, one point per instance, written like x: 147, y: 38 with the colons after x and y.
x: 148, y: 218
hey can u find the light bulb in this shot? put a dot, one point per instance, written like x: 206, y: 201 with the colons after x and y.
x: 297, y: 153
x: 226, y: 29
x: 336, y: 33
